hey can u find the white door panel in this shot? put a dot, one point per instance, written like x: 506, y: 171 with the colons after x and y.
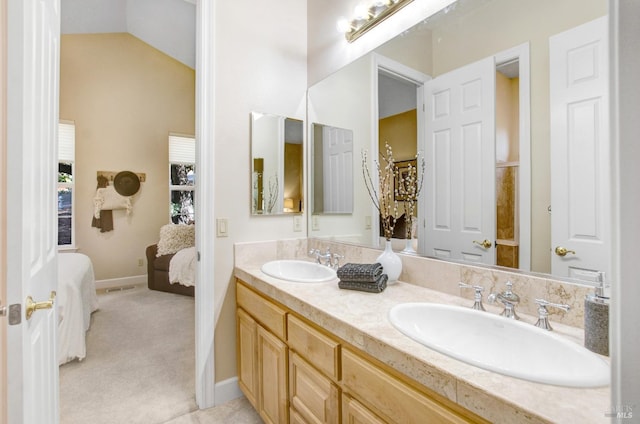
x: 32, y: 98
x: 460, y: 153
x: 579, y: 150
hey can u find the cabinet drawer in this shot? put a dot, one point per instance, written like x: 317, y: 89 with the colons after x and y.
x: 312, y: 394
x: 320, y: 350
x: 353, y: 412
x: 269, y: 315
x: 395, y: 400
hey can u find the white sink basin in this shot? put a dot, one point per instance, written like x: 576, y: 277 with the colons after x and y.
x: 299, y: 271
x: 501, y: 345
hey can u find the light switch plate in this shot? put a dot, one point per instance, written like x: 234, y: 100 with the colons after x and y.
x: 367, y: 222
x: 222, y: 227
x: 315, y: 225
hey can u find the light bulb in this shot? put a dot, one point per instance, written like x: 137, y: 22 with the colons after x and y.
x: 343, y: 25
x: 361, y: 11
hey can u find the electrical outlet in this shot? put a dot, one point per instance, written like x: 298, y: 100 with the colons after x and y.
x: 140, y: 262
x: 297, y: 223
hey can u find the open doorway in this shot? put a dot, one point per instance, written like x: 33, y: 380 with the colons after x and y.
x: 507, y: 163
x: 399, y: 123
x: 139, y: 90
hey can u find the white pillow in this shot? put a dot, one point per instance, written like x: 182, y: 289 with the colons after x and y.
x: 176, y: 237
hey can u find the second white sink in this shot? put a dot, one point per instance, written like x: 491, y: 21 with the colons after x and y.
x: 299, y: 271
x: 501, y: 345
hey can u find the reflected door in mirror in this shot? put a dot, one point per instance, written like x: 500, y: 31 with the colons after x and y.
x: 333, y: 170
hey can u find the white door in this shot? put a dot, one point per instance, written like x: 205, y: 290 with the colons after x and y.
x: 337, y: 162
x: 580, y: 203
x: 460, y: 168
x: 32, y: 104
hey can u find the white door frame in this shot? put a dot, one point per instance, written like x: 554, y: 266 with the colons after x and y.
x: 205, y: 242
x: 3, y: 208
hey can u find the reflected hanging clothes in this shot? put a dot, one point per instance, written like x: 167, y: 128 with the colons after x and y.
x: 105, y: 221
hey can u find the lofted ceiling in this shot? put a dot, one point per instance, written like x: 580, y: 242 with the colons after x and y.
x: 167, y: 25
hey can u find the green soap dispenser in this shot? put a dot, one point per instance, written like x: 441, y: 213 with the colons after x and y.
x: 596, y: 318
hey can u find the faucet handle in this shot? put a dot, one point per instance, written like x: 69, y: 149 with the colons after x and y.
x: 477, y: 304
x: 543, y: 313
x: 336, y: 260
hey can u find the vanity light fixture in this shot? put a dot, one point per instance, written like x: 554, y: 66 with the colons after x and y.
x: 368, y: 15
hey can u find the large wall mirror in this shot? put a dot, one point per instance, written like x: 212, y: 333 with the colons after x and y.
x: 376, y: 95
x: 277, y: 164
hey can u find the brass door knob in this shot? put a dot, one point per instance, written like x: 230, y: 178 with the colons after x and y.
x: 561, y: 251
x: 32, y: 306
x: 484, y: 243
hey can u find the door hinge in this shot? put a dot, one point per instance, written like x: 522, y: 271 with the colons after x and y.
x: 15, y: 316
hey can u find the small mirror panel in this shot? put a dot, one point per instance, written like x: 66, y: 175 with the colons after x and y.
x: 277, y: 164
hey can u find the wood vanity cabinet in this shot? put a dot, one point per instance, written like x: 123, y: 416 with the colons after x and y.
x: 262, y: 355
x: 295, y: 372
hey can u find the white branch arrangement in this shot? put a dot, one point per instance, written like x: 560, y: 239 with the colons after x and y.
x: 382, y: 194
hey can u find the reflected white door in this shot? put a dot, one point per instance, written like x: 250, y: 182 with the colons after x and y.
x: 32, y: 100
x: 337, y: 162
x: 460, y: 153
x: 580, y: 203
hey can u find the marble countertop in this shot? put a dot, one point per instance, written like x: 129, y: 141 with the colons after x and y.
x: 361, y: 319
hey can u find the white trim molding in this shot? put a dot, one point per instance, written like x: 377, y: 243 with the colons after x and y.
x: 205, y: 242
x: 114, y: 283
x: 227, y: 390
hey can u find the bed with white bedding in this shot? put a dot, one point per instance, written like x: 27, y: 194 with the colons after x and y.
x: 76, y: 299
x: 182, y: 267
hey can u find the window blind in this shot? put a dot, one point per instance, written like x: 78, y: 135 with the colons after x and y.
x: 182, y: 149
x: 66, y: 141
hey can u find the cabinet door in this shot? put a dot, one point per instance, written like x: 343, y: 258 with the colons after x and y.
x: 312, y: 394
x: 353, y: 412
x: 272, y: 370
x: 391, y: 398
x: 247, y: 356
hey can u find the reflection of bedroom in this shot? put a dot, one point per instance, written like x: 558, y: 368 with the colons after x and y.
x: 125, y: 98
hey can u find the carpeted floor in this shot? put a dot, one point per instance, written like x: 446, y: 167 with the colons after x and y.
x: 139, y: 366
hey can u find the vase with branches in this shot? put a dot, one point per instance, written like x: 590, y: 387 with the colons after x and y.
x: 382, y: 196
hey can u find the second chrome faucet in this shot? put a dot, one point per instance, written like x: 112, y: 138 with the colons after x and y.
x: 509, y: 299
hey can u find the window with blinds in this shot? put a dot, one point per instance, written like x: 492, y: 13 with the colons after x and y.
x: 66, y: 162
x: 182, y: 175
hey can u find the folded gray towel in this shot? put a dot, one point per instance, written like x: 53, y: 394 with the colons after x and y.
x: 364, y: 273
x: 376, y: 287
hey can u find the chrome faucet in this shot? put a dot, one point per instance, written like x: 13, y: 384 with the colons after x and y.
x: 477, y: 304
x: 332, y: 260
x: 509, y: 299
x: 543, y: 313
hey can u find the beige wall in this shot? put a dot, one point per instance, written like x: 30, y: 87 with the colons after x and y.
x: 260, y: 55
x: 398, y: 131
x: 512, y: 22
x: 125, y: 97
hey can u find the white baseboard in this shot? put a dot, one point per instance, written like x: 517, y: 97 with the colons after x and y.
x: 121, y: 282
x: 227, y: 390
